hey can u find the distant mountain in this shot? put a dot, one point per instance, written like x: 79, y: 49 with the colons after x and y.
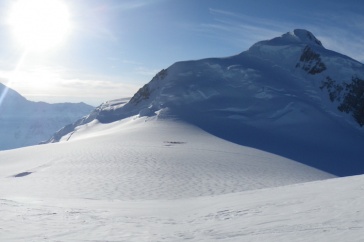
x: 24, y: 123
x: 288, y: 95
x: 70, y: 127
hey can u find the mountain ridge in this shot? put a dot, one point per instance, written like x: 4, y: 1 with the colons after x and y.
x: 24, y: 122
x: 271, y: 97
x: 186, y: 159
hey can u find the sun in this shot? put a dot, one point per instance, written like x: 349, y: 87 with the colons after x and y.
x: 39, y: 25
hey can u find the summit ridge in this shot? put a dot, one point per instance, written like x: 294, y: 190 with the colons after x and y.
x: 288, y: 95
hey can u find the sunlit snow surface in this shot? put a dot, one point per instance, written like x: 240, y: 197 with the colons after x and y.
x: 270, y: 98
x: 144, y: 158
x: 152, y: 169
x: 330, y: 210
x: 145, y: 179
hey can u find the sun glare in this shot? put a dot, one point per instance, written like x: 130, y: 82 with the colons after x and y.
x: 39, y: 25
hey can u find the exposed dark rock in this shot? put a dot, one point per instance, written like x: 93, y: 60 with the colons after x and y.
x: 311, y: 62
x: 333, y: 89
x: 354, y: 100
x: 350, y: 96
x: 144, y: 92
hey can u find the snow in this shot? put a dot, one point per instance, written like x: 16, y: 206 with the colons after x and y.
x: 324, y: 211
x: 24, y: 123
x: 160, y: 179
x: 297, y: 37
x: 144, y: 158
x: 208, y: 150
x: 262, y: 98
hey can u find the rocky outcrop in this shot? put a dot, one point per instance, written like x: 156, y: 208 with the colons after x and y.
x: 311, y: 62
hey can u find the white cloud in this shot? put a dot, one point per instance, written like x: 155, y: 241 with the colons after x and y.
x: 132, y: 4
x: 50, y: 86
x: 146, y: 71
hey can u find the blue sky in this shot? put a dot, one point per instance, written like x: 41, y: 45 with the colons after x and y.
x: 116, y: 46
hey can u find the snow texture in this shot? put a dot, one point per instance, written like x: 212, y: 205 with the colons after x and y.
x: 144, y: 158
x: 330, y: 210
x: 151, y: 179
x: 163, y: 167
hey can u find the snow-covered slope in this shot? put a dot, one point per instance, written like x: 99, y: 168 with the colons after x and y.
x: 81, y: 191
x: 142, y: 179
x: 162, y: 167
x: 330, y: 210
x: 106, y: 181
x: 289, y: 96
x: 144, y: 158
x: 24, y: 123
x: 69, y: 129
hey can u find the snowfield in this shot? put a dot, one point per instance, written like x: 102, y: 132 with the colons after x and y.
x: 144, y: 158
x: 155, y: 179
x: 207, y: 151
x: 330, y: 210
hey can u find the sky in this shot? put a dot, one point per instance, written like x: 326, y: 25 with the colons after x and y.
x: 114, y: 47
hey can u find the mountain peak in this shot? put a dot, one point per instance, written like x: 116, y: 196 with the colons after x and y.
x: 297, y: 36
x: 306, y: 37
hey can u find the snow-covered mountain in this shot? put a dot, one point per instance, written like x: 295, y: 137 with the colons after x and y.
x: 147, y: 179
x: 24, y: 123
x: 161, y: 167
x: 289, y: 96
